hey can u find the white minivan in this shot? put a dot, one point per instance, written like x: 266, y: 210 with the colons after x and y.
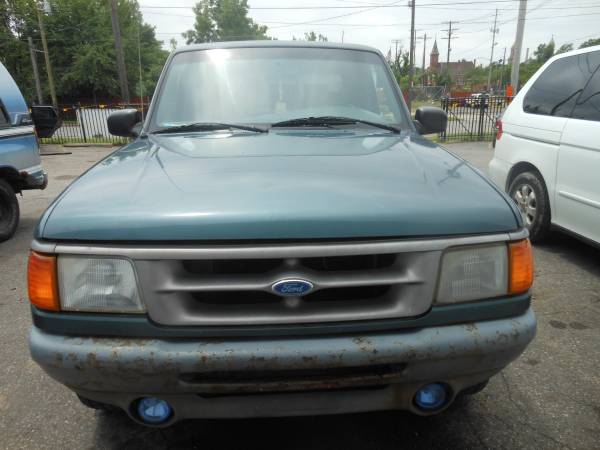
x: 547, y: 147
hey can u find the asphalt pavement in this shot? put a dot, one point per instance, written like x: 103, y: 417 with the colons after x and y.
x: 549, y: 398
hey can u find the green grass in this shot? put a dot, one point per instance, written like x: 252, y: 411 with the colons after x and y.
x: 79, y: 140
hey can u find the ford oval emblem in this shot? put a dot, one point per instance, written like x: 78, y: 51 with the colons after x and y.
x: 292, y: 288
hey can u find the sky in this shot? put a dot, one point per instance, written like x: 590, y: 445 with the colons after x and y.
x: 378, y: 23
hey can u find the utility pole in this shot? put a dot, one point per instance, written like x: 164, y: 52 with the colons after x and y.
x: 119, y: 51
x: 494, y: 31
x: 140, y: 68
x: 411, y: 66
x: 450, y: 32
x: 423, y: 66
x: 396, y: 42
x: 342, y: 36
x: 46, y: 55
x: 36, y: 74
x: 502, y: 72
x: 516, y: 59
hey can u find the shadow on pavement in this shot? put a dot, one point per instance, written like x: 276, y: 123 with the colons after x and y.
x: 381, y: 430
x: 578, y: 252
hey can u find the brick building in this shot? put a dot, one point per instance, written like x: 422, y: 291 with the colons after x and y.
x: 458, y: 70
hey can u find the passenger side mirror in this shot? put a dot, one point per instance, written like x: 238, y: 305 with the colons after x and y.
x: 124, y: 123
x: 429, y: 119
x: 45, y: 119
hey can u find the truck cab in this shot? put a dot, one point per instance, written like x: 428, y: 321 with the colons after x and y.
x: 20, y: 163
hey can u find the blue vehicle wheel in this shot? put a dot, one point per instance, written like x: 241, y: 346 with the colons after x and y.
x: 9, y: 211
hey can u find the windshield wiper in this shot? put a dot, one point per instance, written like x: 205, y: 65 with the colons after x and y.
x: 208, y: 126
x: 331, y: 120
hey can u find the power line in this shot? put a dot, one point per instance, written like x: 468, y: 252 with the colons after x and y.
x: 343, y: 7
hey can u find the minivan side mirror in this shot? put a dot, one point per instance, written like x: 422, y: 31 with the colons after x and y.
x: 46, y: 120
x: 123, y: 123
x: 429, y: 120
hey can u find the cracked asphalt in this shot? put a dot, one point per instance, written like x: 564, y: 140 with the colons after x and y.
x: 549, y: 398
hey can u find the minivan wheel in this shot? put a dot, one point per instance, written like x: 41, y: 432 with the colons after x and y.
x: 9, y: 211
x: 529, y: 193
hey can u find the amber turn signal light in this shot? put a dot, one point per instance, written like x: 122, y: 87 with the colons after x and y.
x: 42, y: 281
x: 521, y: 266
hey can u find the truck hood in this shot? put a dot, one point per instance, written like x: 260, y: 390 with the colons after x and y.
x: 295, y: 184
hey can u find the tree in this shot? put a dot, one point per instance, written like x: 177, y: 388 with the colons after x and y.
x: 544, y: 52
x: 81, y: 47
x: 590, y: 43
x: 314, y: 37
x: 17, y: 22
x: 443, y: 79
x: 564, y: 48
x: 223, y: 20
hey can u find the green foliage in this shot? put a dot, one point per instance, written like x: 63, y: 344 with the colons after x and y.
x: 81, y: 46
x: 443, y: 79
x: 223, y: 20
x: 312, y: 36
x: 590, y: 43
x: 527, y: 69
x: 400, y: 67
x: 16, y: 19
x: 544, y: 52
x: 564, y: 48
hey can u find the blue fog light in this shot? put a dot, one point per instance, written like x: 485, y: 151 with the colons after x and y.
x: 154, y: 410
x: 431, y: 396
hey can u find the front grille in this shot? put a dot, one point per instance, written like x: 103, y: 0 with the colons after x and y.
x: 250, y: 382
x: 238, y: 291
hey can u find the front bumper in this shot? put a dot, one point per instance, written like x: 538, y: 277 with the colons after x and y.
x: 34, y: 179
x: 295, y: 376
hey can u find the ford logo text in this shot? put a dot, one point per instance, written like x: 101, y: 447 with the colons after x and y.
x: 292, y: 288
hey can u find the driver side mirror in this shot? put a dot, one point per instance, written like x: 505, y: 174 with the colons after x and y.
x: 46, y: 120
x: 124, y: 123
x: 429, y: 120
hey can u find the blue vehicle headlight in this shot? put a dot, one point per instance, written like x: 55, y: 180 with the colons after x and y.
x: 154, y: 410
x: 431, y: 396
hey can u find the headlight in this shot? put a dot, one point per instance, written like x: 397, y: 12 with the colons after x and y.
x: 473, y: 273
x: 98, y: 284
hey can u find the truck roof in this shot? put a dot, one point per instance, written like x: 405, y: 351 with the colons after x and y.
x: 275, y: 44
x: 11, y: 96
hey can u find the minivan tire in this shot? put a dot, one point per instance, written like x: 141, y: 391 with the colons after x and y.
x: 9, y: 211
x: 528, y: 190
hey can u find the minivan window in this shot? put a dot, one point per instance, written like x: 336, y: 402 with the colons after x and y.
x: 588, y: 104
x: 269, y: 85
x: 557, y: 89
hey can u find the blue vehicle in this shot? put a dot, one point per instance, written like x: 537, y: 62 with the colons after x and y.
x: 20, y: 162
x: 278, y: 239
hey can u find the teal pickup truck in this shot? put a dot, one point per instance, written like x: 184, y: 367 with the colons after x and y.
x: 278, y: 239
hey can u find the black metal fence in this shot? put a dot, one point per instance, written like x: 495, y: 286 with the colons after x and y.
x: 87, y: 124
x: 472, y: 118
x: 469, y: 119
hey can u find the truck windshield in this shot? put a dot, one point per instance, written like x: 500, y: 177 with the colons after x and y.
x: 269, y: 85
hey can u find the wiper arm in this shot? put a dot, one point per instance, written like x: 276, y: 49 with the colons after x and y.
x: 331, y: 120
x: 208, y: 126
